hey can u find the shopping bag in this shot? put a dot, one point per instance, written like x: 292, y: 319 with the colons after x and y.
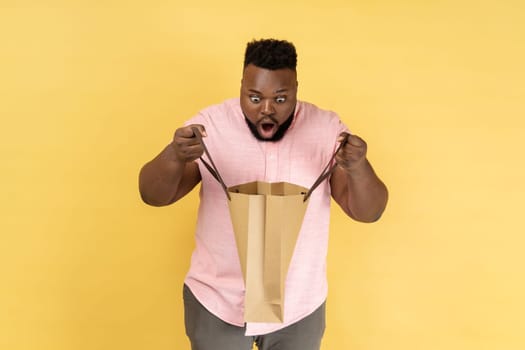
x: 266, y: 219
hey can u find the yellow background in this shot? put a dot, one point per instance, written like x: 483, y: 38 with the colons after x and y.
x: 90, y: 90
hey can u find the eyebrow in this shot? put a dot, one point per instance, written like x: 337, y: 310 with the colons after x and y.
x: 275, y: 92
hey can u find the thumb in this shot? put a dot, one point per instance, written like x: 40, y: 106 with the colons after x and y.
x: 198, y: 128
x: 343, y: 137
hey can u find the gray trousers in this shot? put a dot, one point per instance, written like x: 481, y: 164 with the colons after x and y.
x: 207, y: 332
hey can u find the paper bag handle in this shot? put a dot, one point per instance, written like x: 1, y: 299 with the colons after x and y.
x: 327, y: 171
x: 211, y: 168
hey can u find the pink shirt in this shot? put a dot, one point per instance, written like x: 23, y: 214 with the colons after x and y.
x: 215, y: 275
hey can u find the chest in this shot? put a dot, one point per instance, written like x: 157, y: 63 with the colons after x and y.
x: 293, y: 160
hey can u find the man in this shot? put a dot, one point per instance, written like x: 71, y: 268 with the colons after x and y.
x: 265, y: 135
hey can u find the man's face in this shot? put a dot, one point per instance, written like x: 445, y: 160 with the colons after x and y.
x: 268, y: 98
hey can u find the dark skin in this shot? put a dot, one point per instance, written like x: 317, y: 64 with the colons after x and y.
x: 267, y: 98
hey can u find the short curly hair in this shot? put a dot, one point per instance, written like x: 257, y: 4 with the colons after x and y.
x: 271, y: 54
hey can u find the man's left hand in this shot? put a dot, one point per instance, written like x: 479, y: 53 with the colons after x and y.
x: 352, y: 155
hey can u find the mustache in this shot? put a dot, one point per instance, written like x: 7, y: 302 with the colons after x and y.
x: 266, y: 119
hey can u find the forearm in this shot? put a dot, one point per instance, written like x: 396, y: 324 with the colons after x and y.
x: 159, y: 179
x: 360, y: 192
x: 366, y: 194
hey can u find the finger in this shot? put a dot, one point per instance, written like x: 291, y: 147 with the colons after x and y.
x: 355, y: 140
x: 341, y: 158
x: 187, y: 131
x: 352, y: 152
x: 183, y: 142
x: 343, y: 136
x: 191, y: 152
x: 347, y: 154
x: 355, y: 151
x: 199, y: 127
x: 184, y: 132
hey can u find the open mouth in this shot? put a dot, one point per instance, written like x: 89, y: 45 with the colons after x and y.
x: 267, y: 129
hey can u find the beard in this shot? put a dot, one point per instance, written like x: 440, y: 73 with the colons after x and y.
x: 279, y: 134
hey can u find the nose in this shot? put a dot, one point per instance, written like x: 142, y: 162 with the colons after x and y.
x: 267, y: 107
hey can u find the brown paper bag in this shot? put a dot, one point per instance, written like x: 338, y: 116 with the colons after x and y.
x: 266, y: 218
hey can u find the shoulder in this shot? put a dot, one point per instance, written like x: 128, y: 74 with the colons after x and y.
x: 225, y: 106
x: 314, y: 116
x: 222, y: 112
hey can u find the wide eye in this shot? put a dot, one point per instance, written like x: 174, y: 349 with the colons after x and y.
x: 255, y: 99
x: 280, y: 99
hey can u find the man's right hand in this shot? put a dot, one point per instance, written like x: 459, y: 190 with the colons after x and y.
x: 187, y: 147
